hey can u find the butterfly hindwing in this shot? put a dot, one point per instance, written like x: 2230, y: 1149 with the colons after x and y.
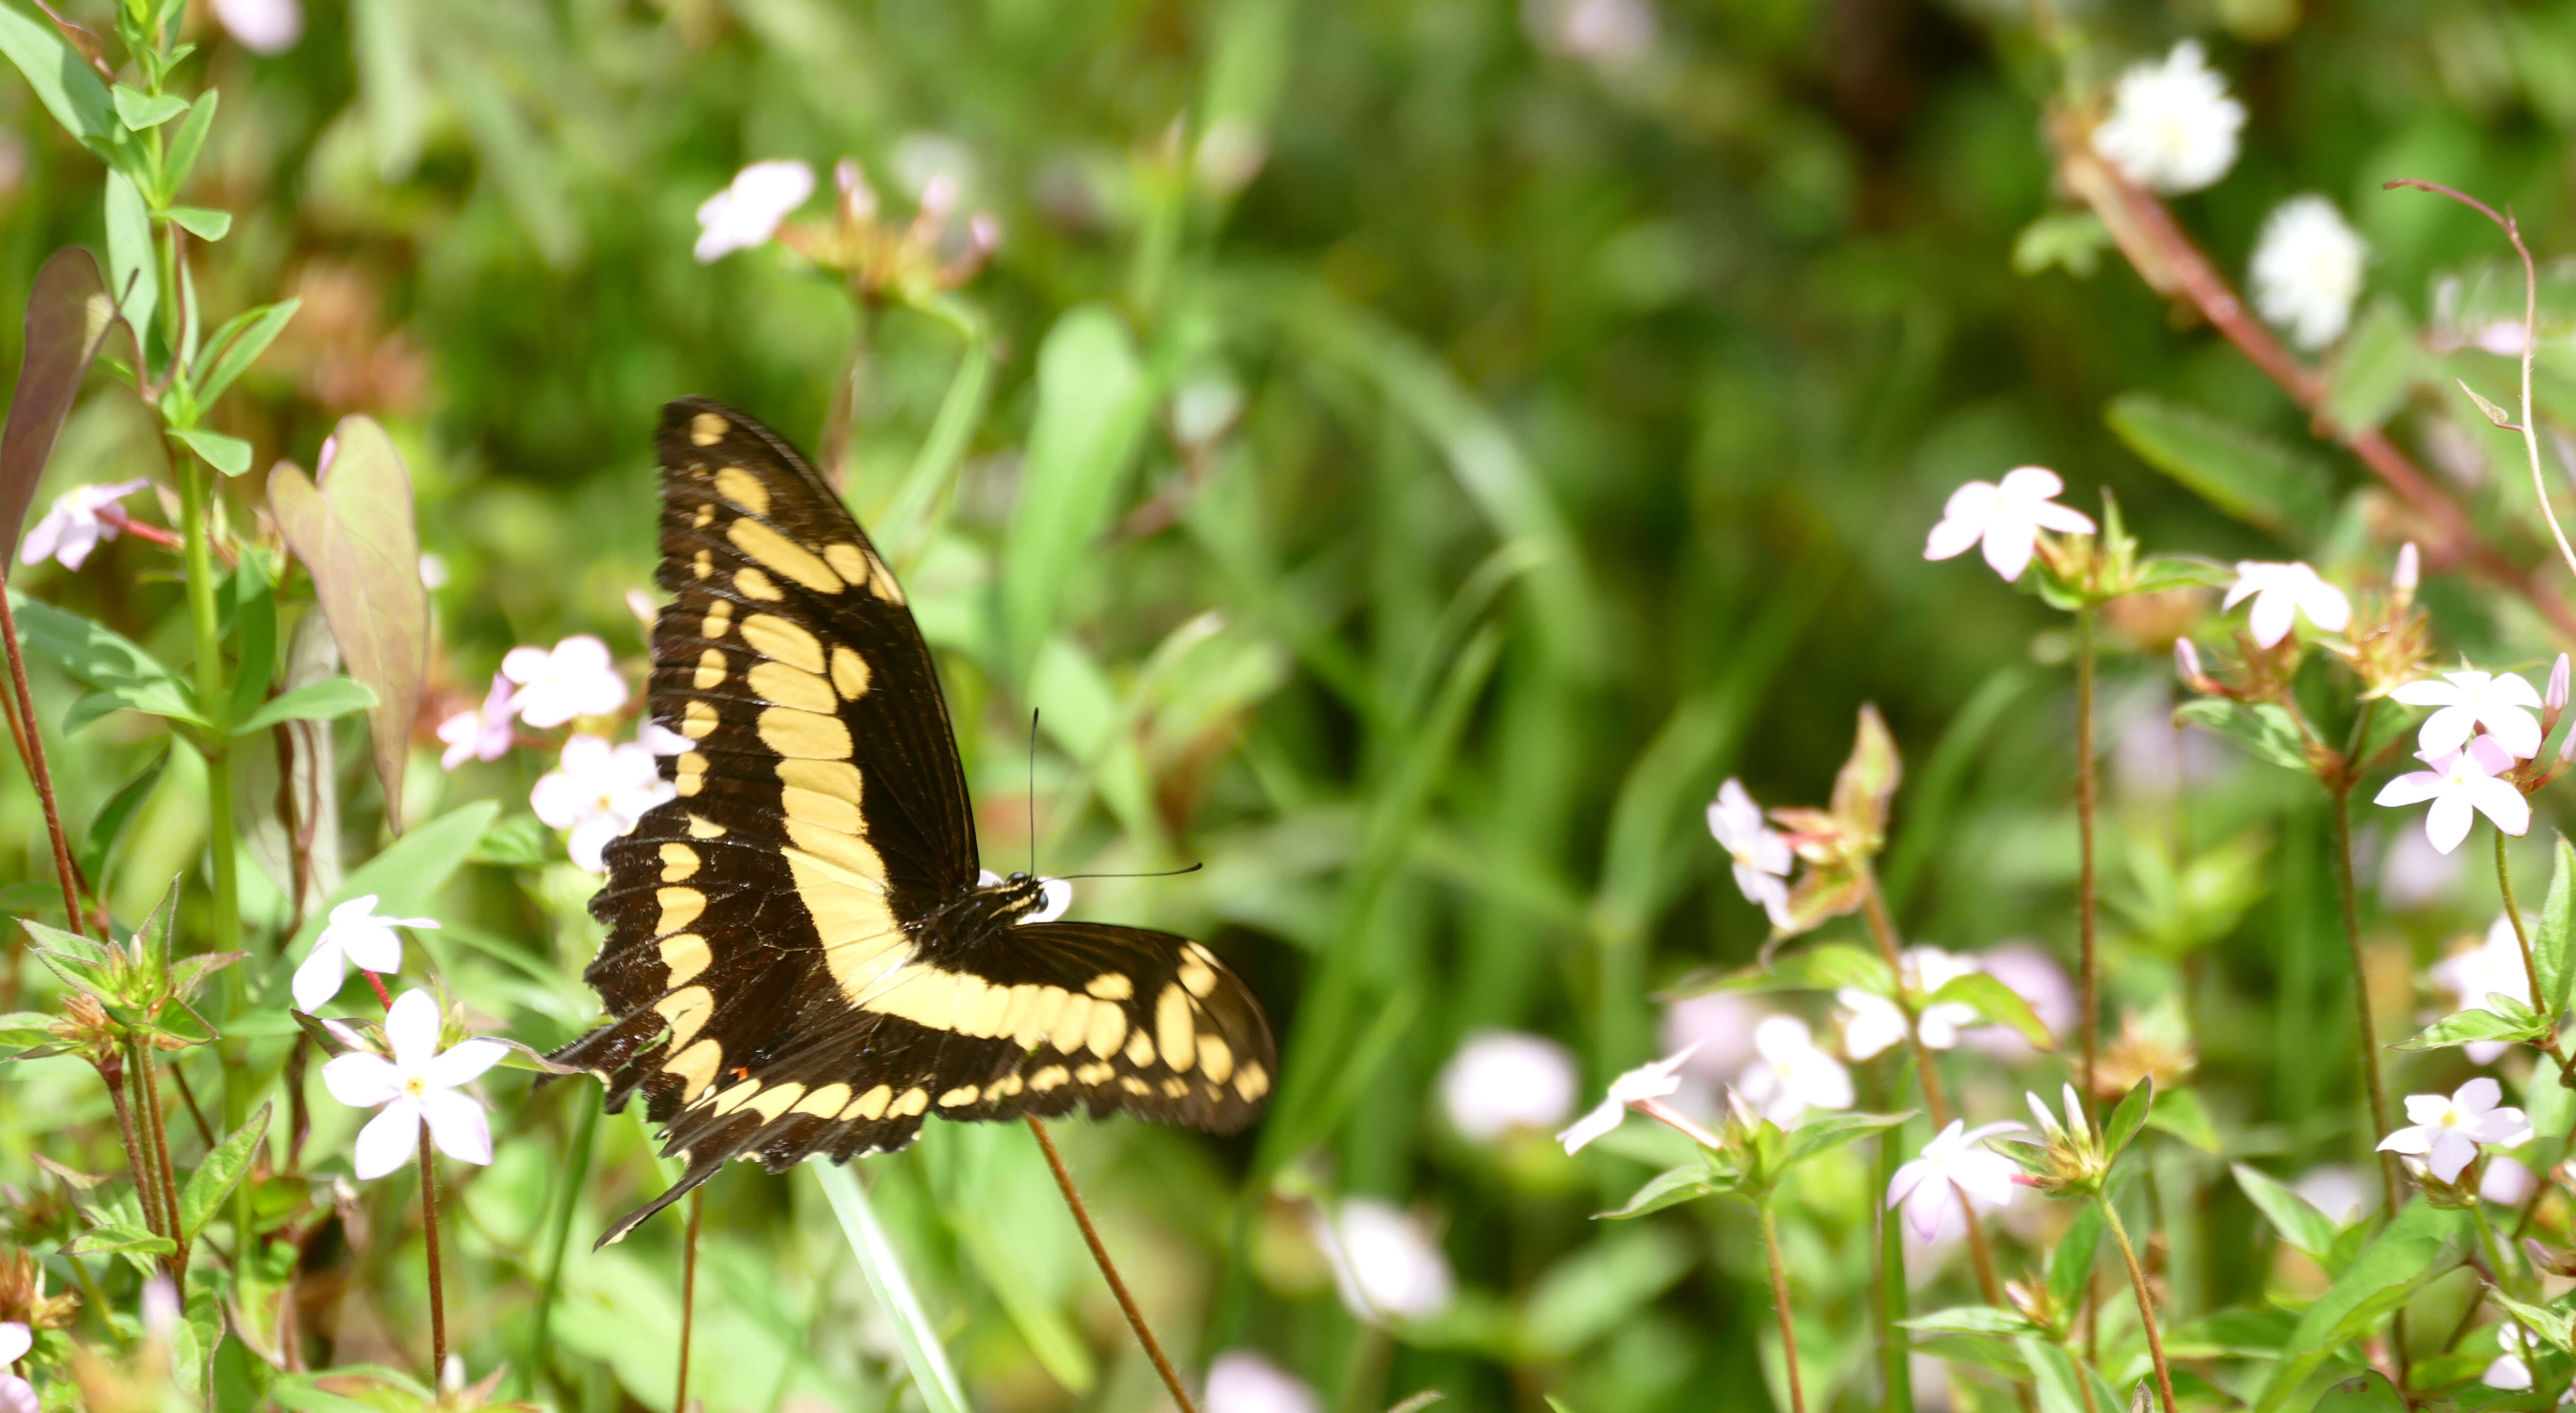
x: 788, y: 970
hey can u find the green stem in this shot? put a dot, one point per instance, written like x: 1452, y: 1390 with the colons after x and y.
x: 1780, y: 1305
x: 905, y: 529
x: 2487, y: 1241
x: 2513, y: 910
x: 2087, y: 888
x: 2391, y: 1177
x: 195, y: 493
x: 567, y: 1198
x: 2146, y: 1304
x: 1888, y: 1300
x: 915, y: 1337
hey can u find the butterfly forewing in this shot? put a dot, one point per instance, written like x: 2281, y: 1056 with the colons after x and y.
x: 778, y: 979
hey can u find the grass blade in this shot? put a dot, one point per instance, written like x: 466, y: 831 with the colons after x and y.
x: 922, y: 1352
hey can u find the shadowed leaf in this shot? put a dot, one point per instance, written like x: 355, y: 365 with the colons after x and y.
x: 68, y: 316
x: 63, y: 80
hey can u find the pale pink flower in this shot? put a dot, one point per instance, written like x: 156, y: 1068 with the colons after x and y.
x: 1872, y: 1022
x: 16, y: 1394
x: 1502, y: 1080
x: 482, y: 733
x: 1240, y: 1381
x: 2006, y: 517
x: 2493, y: 967
x: 1952, y: 1163
x: 2468, y: 700
x: 747, y: 213
x: 2506, y: 1181
x: 2508, y: 1371
x: 355, y: 937
x: 1762, y: 856
x: 2446, y: 1133
x: 2458, y: 783
x: 1645, y: 1083
x: 262, y: 26
x: 1385, y: 1264
x: 74, y: 527
x: 577, y: 677
x: 2283, y: 592
x: 1793, y: 1074
x: 597, y: 793
x: 417, y: 1085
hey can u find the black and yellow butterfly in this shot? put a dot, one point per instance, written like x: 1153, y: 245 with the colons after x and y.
x: 803, y: 955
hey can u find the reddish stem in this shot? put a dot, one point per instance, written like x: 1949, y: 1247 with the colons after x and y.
x: 34, y: 754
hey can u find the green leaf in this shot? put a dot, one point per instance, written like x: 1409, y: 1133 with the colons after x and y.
x: 205, y: 223
x: 133, y: 266
x: 2294, y: 1217
x: 1599, y: 1288
x: 99, y: 657
x: 2463, y: 1027
x: 2071, y: 239
x: 1990, y: 998
x: 250, y: 608
x: 1829, y: 967
x: 2126, y: 1120
x: 517, y: 841
x: 2374, y: 370
x: 69, y: 89
x: 230, y: 455
x: 2548, y: 1322
x: 2265, y: 729
x: 238, y: 344
x: 139, y: 110
x: 2180, y: 1113
x: 407, y: 876
x: 2053, y: 1373
x: 69, y: 316
x: 109, y: 822
x: 2553, y: 947
x: 1094, y: 405
x: 2070, y: 1266
x: 119, y: 1237
x: 916, y: 1338
x: 1687, y: 1183
x: 2421, y: 1244
x: 1971, y: 1320
x: 20, y: 1029
x: 1823, y: 1133
x: 185, y: 144
x: 356, y: 537
x: 2489, y: 410
x: 215, y: 1178
x: 325, y: 700
x: 2243, y: 472
x: 2362, y: 1393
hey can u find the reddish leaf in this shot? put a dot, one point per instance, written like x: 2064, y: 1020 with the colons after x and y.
x: 356, y: 537
x: 68, y: 318
x: 1868, y: 780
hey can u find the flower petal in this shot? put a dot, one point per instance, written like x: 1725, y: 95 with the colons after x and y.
x: 389, y: 1140
x: 2477, y: 1096
x: 2032, y: 483
x: 318, y: 979
x: 2427, y: 692
x: 15, y: 1341
x: 457, y: 1125
x: 377, y: 949
x: 2009, y: 546
x: 1951, y: 538
x: 361, y: 1080
x: 2416, y: 1141
x: 2500, y: 802
x: 2412, y: 788
x: 2452, y: 1151
x: 2516, y: 730
x: 412, y: 1026
x: 2446, y: 730
x: 2325, y: 605
x: 465, y: 1063
x: 2271, y: 618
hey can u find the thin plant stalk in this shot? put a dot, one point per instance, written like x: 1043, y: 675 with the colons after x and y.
x: 2088, y: 901
x: 2146, y: 1303
x: 1109, y: 1269
x: 2392, y: 1178
x: 157, y: 1122
x: 585, y: 1126
x: 1780, y: 1306
x: 437, y: 1277
x: 688, y: 1293
x: 915, y: 1337
x: 1888, y: 1301
x: 197, y: 530
x: 111, y: 1072
x: 2521, y: 935
x: 31, y: 749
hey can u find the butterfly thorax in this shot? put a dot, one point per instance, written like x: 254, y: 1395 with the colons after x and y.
x: 978, y: 915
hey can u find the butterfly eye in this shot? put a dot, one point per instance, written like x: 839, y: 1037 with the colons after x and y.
x: 1056, y: 895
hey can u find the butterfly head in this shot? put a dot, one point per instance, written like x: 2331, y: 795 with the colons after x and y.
x: 996, y: 902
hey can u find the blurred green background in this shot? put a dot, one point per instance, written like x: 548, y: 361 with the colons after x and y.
x: 1483, y: 427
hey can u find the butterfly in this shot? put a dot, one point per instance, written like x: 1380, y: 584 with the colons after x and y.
x: 804, y: 957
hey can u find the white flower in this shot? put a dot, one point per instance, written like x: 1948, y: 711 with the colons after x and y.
x: 480, y: 734
x: 1610, y: 34
x: 2469, y: 700
x: 1872, y: 1022
x: 262, y: 26
x: 2508, y: 1370
x: 1384, y: 1264
x: 73, y: 528
x: 416, y: 1086
x: 597, y: 793
x: 355, y: 937
x: 1793, y: 1075
x: 578, y: 678
x: 2410, y: 570
x: 16, y: 1394
x: 433, y: 572
x: 1715, y: 1030
x: 2492, y: 967
x: 2007, y: 517
x: 1762, y: 857
x: 2280, y: 593
x: 2506, y: 1182
x: 2029, y: 971
x: 2447, y: 1132
x: 2172, y: 126
x: 2457, y: 783
x: 1952, y: 1164
x: 1646, y: 1082
x: 747, y: 213
x: 2307, y: 270
x: 1241, y: 1381
x: 1501, y: 1080
x: 2334, y: 1189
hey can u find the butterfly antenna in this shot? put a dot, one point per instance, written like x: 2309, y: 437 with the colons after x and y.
x: 1166, y: 873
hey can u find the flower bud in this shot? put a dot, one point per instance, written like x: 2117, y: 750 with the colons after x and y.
x: 2187, y: 663
x: 2555, y: 699
x: 2409, y: 568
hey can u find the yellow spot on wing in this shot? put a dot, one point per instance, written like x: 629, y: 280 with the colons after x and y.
x: 772, y: 636
x: 686, y: 955
x: 846, y: 561
x: 850, y: 673
x: 804, y: 735
x: 1174, y: 1031
x: 1197, y: 976
x: 1032, y: 1016
x: 1048, y: 1078
x: 1097, y: 1072
x: 711, y: 670
x: 680, y: 907
x: 743, y: 489
x: 869, y: 1105
x: 1175, y: 1087
x: 1140, y: 1050
x: 707, y: 429
x: 1216, y: 1058
x: 701, y: 827
x: 1108, y: 1027
x: 778, y: 552
x: 1133, y: 1085
x: 699, y: 521
x: 701, y: 564
x: 962, y: 1094
x: 755, y: 585
x: 826, y: 1102
x: 1071, y: 1024
x: 719, y: 614
x: 913, y: 1102
x: 696, y: 1067
x: 1252, y: 1081
x: 926, y: 996
x: 793, y: 687
x: 980, y: 1015
x: 697, y: 719
x: 1111, y: 986
x: 775, y: 1100
x: 687, y: 1010
x: 679, y: 861
x: 733, y: 1098
x: 691, y: 773
x: 881, y: 582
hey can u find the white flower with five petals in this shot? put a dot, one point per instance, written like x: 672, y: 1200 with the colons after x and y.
x: 417, y: 1086
x: 2446, y: 1133
x: 2007, y: 518
x: 2502, y: 703
x: 1792, y: 1074
x: 2283, y: 592
x: 597, y: 793
x: 747, y: 212
x: 480, y: 734
x: 577, y: 677
x: 2459, y: 782
x: 355, y: 937
x: 1929, y: 1187
x: 1762, y: 856
x: 75, y: 526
